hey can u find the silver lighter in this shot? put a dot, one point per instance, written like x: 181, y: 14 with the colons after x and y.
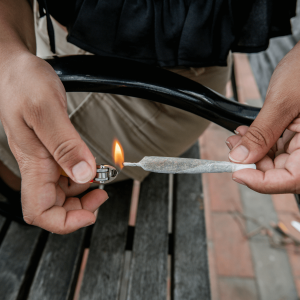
x: 105, y: 174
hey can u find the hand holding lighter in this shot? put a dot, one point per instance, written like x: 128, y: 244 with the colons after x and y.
x: 105, y: 174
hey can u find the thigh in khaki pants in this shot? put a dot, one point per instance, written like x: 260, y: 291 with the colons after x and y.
x: 142, y: 127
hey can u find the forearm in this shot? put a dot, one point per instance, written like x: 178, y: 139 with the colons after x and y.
x: 17, y: 28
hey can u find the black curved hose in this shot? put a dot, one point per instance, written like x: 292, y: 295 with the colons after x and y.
x: 89, y: 73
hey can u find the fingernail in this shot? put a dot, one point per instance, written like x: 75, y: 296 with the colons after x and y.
x: 89, y: 224
x: 238, y: 181
x: 228, y: 145
x: 82, y: 172
x: 236, y: 132
x: 239, y: 154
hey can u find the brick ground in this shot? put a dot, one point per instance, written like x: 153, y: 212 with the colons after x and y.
x: 228, y: 251
x: 285, y: 203
x: 233, y: 288
x: 233, y: 256
x: 213, y: 147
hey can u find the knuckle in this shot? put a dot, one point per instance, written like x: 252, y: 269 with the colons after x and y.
x: 258, y: 136
x: 62, y: 231
x: 28, y: 215
x: 66, y: 151
x: 28, y: 220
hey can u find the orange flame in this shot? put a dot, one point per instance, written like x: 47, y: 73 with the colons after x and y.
x: 118, y: 154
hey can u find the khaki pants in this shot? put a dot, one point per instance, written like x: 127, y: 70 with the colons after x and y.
x: 142, y: 127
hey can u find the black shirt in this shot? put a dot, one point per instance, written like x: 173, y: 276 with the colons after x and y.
x: 168, y: 33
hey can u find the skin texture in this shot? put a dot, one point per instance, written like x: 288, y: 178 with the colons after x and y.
x: 43, y: 140
x: 277, y: 158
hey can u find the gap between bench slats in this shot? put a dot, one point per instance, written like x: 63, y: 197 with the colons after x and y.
x: 19, y: 254
x: 106, y: 257
x: 3, y: 227
x: 148, y: 268
x: 2, y: 221
x: 190, y: 262
x: 58, y: 268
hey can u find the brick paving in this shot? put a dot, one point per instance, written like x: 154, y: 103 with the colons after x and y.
x: 242, y: 268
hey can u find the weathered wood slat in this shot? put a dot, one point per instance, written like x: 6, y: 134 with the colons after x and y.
x: 190, y: 262
x: 19, y: 255
x: 148, y: 273
x: 105, y: 262
x: 57, y: 273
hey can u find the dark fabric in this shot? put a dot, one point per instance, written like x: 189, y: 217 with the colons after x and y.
x: 171, y: 33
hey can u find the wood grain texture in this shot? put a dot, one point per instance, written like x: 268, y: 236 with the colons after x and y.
x: 57, y: 273
x: 106, y: 258
x: 148, y: 273
x: 190, y: 262
x: 17, y: 255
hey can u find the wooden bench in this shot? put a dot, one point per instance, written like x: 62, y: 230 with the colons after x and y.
x: 36, y: 265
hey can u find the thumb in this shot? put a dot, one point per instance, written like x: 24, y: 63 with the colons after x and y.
x: 261, y: 135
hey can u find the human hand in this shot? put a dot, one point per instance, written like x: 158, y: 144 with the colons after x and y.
x: 278, y: 171
x: 43, y: 140
x: 278, y: 159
